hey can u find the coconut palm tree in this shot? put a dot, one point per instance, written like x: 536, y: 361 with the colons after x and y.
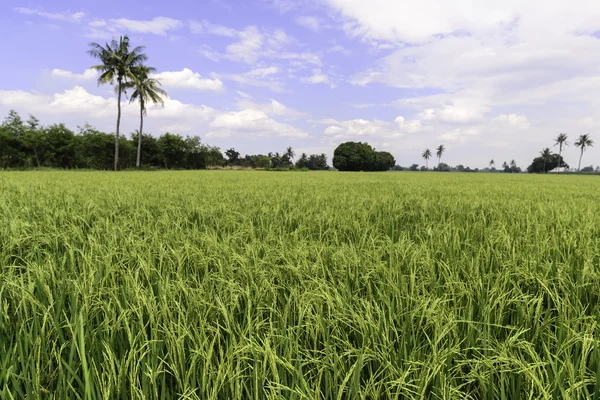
x: 145, y: 89
x: 561, y: 140
x: 583, y: 141
x: 504, y: 166
x: 440, y: 151
x: 513, y: 166
x: 492, y: 163
x: 546, y: 156
x: 290, y: 153
x: 426, y: 155
x: 117, y: 62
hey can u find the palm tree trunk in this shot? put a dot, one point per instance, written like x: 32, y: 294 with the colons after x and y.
x: 544, y: 166
x: 118, y: 124
x: 579, y: 168
x: 139, y: 151
x: 559, y: 159
x: 427, y: 163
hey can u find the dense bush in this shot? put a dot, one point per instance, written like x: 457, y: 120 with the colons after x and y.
x: 538, y: 165
x: 358, y: 156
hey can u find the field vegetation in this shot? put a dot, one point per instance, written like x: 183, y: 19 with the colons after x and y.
x: 317, y: 285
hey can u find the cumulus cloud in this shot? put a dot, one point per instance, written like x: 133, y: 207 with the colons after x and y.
x: 188, y: 79
x: 253, y: 123
x: 318, y: 77
x: 253, y: 44
x: 75, y: 106
x: 273, y: 107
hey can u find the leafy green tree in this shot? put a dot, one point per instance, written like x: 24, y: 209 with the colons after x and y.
x: 117, y: 64
x: 317, y: 162
x: 426, y: 155
x: 546, y: 155
x: 384, y: 161
x: 583, y: 142
x: 560, y: 141
x: 414, y: 167
x: 302, y: 161
x: 233, y: 157
x: 173, y: 150
x: 11, y: 132
x: 540, y: 164
x: 33, y: 138
x: 94, y: 149
x: 61, y: 146
x: 440, y: 152
x: 354, y: 156
x: 146, y: 90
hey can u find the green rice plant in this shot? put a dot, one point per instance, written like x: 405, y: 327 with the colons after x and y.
x: 253, y: 285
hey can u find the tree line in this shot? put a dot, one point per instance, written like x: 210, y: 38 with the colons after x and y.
x: 28, y: 144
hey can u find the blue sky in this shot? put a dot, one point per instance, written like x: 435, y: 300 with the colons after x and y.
x: 496, y: 80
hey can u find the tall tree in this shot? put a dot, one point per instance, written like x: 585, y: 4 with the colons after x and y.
x: 440, y: 151
x: 426, y: 155
x: 289, y: 152
x: 117, y: 64
x: 492, y: 163
x: 145, y: 89
x: 546, y: 155
x: 583, y: 141
x: 504, y: 166
x: 561, y: 140
x: 513, y: 165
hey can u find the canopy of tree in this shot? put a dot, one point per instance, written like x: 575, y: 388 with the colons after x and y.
x: 358, y: 156
x: 539, y: 166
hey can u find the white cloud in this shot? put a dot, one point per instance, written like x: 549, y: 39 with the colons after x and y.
x: 318, y: 77
x: 260, y: 77
x: 410, y: 126
x: 308, y: 22
x: 272, y: 108
x: 97, y: 23
x: 88, y: 74
x: 361, y: 129
x: 158, y: 25
x: 243, y: 94
x: 248, y: 48
x: 517, y: 121
x: 418, y: 22
x: 250, y: 124
x: 202, y: 27
x: 254, y: 44
x: 186, y: 78
x: 58, y: 16
x: 76, y: 105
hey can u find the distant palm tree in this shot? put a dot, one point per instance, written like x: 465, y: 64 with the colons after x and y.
x: 513, y: 166
x: 426, y: 155
x: 584, y: 142
x: 546, y: 156
x: 492, y: 163
x: 504, y: 165
x: 290, y: 153
x: 560, y: 140
x: 117, y: 64
x: 146, y: 90
x: 440, y: 151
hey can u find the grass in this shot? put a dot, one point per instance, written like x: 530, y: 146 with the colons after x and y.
x: 250, y: 285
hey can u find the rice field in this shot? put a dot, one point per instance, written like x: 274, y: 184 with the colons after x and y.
x: 257, y: 285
